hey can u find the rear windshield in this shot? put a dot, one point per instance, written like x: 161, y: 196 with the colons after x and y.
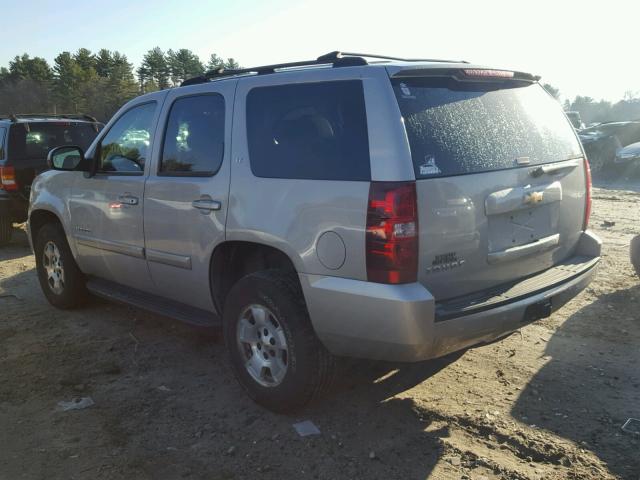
x: 456, y: 128
x: 34, y: 140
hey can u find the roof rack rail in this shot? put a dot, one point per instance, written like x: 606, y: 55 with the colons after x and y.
x: 14, y: 117
x: 337, y: 59
x: 387, y: 57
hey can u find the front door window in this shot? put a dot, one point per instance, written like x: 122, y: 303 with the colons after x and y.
x: 125, y: 148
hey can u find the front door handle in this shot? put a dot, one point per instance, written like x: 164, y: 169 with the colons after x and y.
x: 128, y: 199
x: 206, y: 204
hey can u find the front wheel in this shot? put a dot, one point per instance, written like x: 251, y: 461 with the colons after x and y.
x: 6, y: 228
x: 635, y: 254
x: 272, y: 346
x: 61, y: 280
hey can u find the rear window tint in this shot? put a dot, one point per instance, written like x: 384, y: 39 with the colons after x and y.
x: 309, y: 131
x: 194, y: 139
x: 34, y: 140
x: 456, y: 129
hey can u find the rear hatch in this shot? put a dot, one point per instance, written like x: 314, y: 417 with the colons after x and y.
x: 30, y: 142
x: 500, y: 177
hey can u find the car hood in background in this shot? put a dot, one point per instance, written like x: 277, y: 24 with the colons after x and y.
x: 628, y: 153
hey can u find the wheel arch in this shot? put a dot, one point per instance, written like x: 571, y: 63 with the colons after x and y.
x: 41, y: 216
x: 234, y: 259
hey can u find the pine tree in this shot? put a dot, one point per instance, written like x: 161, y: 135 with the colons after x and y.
x: 68, y: 79
x: 231, y: 64
x: 183, y: 64
x: 153, y: 73
x: 85, y: 60
x: 215, y: 62
x: 104, y: 63
x: 98, y: 84
x: 36, y: 69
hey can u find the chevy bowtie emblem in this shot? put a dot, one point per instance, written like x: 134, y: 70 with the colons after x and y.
x: 533, y: 198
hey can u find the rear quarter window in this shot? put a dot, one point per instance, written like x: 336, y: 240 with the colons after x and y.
x: 312, y: 131
x: 458, y: 129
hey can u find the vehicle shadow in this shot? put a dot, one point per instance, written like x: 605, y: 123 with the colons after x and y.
x: 628, y: 180
x: 366, y: 413
x: 18, y: 247
x: 158, y: 384
x: 166, y: 400
x: 591, y: 384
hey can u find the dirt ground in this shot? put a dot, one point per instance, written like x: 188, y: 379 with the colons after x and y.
x: 545, y: 403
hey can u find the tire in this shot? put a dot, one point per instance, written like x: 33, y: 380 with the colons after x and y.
x: 635, y: 254
x: 6, y: 229
x: 308, y: 366
x: 61, y: 280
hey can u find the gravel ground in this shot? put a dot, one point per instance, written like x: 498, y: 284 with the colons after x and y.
x: 545, y: 403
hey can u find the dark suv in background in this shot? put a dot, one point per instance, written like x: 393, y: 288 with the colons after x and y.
x: 606, y: 145
x: 25, y: 141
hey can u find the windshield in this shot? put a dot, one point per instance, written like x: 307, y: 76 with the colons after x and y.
x: 34, y: 140
x: 455, y: 129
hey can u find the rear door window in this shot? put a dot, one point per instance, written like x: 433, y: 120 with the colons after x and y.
x: 456, y: 129
x: 194, y: 138
x: 309, y: 131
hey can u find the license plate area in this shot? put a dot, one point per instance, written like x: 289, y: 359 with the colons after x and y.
x: 521, y: 227
x: 538, y: 311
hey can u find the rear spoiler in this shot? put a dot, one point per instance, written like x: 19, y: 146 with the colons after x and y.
x: 468, y: 74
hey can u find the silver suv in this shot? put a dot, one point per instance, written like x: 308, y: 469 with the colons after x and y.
x: 384, y: 209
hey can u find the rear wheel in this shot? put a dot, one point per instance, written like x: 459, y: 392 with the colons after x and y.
x: 61, y: 280
x: 6, y: 229
x: 272, y: 346
x: 635, y: 254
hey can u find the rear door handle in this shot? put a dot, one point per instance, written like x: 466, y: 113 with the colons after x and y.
x: 207, y: 205
x: 128, y: 199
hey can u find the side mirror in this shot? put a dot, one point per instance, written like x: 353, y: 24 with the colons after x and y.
x: 68, y: 158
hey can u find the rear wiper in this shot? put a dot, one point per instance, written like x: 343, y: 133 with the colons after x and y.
x: 553, y: 168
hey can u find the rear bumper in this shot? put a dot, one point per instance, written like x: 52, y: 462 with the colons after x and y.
x: 400, y: 322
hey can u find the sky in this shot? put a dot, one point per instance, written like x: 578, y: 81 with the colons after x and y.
x: 580, y: 48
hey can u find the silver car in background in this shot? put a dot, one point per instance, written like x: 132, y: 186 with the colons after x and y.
x: 388, y: 209
x: 628, y: 155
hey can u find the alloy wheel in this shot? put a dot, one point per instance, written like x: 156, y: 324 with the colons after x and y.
x: 263, y: 345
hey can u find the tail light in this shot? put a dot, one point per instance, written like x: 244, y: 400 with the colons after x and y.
x: 8, y: 180
x: 587, y: 207
x: 392, y: 233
